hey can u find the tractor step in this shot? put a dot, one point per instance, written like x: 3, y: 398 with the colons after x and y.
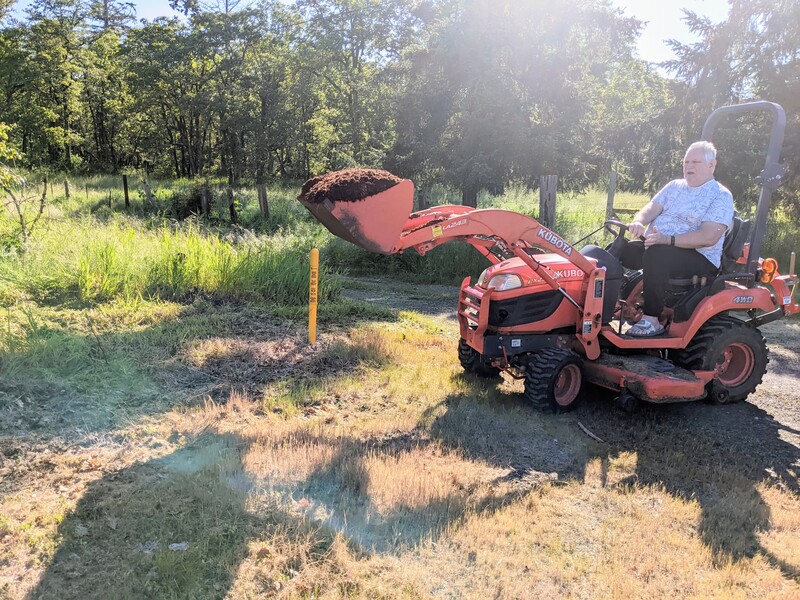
x: 649, y: 378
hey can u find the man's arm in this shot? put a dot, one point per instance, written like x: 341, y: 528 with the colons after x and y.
x: 708, y: 235
x: 644, y: 217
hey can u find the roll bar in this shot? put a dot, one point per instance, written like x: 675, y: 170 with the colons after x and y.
x: 772, y: 175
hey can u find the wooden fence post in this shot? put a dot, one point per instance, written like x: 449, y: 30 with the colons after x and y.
x: 612, y: 190
x: 263, y: 203
x: 232, y: 205
x: 125, y: 189
x: 547, y: 200
x: 66, y: 189
x: 205, y: 201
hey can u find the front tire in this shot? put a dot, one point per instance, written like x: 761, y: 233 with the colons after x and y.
x: 470, y: 360
x: 735, y: 350
x: 553, y: 379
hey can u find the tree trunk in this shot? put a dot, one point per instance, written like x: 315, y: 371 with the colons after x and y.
x: 148, y: 192
x: 612, y: 190
x: 125, y: 189
x: 205, y: 201
x: 263, y: 204
x: 232, y: 205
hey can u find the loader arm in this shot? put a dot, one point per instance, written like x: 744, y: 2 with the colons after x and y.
x: 487, y: 229
x: 382, y: 223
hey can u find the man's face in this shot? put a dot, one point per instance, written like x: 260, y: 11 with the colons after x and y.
x: 696, y: 171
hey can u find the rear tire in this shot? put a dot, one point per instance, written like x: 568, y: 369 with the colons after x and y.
x: 470, y: 360
x: 735, y: 350
x: 553, y: 379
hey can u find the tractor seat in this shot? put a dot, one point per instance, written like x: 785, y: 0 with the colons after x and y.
x: 731, y: 251
x: 683, y: 295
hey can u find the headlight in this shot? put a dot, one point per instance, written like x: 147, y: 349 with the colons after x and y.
x: 482, y: 278
x: 504, y: 282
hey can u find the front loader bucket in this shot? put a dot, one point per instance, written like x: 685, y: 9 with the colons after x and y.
x: 374, y: 223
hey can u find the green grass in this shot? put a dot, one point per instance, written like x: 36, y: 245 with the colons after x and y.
x: 92, y: 261
x: 91, y: 252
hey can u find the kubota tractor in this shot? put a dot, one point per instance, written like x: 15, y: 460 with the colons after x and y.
x: 554, y: 315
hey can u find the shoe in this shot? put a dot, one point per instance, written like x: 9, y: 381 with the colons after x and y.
x: 645, y: 328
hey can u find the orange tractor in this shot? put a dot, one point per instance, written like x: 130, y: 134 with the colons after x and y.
x: 554, y: 315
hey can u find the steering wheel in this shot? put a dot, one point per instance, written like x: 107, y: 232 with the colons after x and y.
x: 615, y: 227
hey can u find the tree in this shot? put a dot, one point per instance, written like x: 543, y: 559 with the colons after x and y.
x: 169, y: 78
x: 25, y: 207
x: 516, y: 86
x: 110, y: 15
x: 753, y: 54
x: 7, y: 154
x: 107, y: 101
x: 52, y: 80
x: 5, y: 5
x: 345, y: 47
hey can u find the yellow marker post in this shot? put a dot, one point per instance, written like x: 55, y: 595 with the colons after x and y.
x: 313, y: 296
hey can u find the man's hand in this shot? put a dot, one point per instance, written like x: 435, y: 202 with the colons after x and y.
x: 654, y: 237
x: 637, y: 229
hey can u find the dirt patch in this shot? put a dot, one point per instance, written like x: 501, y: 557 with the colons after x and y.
x: 348, y: 185
x: 437, y: 301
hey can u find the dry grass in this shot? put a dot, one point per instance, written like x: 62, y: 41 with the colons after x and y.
x: 369, y: 467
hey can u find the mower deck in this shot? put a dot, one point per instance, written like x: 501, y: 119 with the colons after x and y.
x: 648, y: 378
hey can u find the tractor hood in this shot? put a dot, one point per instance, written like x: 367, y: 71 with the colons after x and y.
x: 513, y: 273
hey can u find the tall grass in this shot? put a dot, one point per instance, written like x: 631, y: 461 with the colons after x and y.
x: 93, y: 261
x: 90, y: 252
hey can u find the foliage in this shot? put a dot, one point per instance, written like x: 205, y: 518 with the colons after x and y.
x: 751, y: 55
x: 510, y: 92
x: 474, y: 95
x: 7, y: 154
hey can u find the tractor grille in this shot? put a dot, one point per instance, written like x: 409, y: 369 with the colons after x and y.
x: 524, y: 309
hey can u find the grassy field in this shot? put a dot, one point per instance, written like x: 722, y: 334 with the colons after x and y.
x: 167, y: 432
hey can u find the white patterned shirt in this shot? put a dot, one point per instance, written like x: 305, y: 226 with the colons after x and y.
x: 685, y: 209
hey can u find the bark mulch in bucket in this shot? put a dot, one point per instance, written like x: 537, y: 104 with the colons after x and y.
x: 348, y: 185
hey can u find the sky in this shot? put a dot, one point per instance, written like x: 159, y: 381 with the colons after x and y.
x: 662, y: 20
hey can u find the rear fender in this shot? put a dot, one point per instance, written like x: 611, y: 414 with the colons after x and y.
x: 741, y: 299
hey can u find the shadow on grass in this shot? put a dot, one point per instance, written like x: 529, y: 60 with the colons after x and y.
x: 389, y: 492
x: 179, y: 526
x: 164, y: 528
x: 116, y: 542
x: 59, y: 383
x: 719, y: 456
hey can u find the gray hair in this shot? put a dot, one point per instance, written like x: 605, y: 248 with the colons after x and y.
x: 708, y: 149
